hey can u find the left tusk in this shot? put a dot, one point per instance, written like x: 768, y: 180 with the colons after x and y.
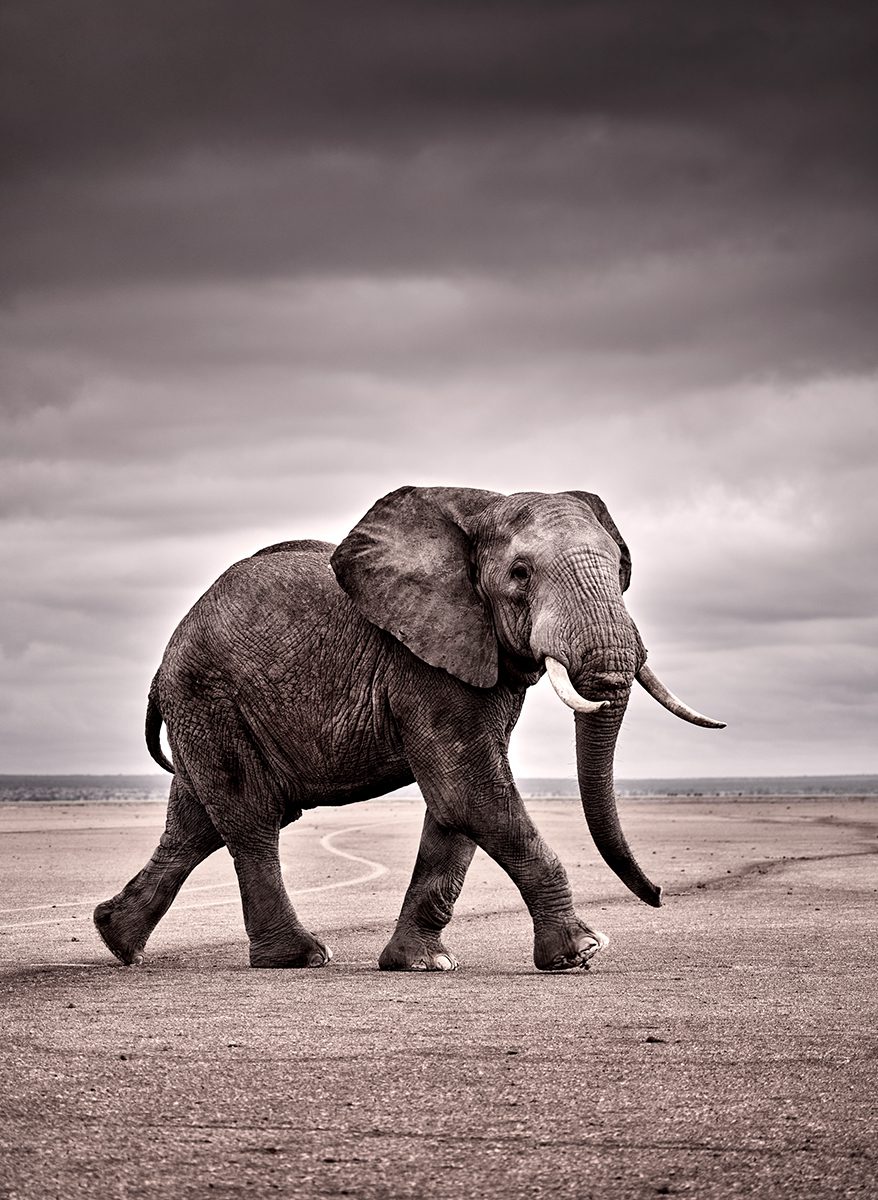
x: 672, y: 703
x: 560, y: 681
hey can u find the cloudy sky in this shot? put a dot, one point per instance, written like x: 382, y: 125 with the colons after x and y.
x: 264, y: 263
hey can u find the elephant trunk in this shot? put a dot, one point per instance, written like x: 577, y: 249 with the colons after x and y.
x: 596, y: 735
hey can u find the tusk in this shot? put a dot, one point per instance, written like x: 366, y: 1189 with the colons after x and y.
x: 658, y: 691
x: 560, y: 681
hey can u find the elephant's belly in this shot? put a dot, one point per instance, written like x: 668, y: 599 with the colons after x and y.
x: 348, y: 792
x: 335, y: 762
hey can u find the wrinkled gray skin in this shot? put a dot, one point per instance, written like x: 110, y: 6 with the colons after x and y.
x: 306, y: 677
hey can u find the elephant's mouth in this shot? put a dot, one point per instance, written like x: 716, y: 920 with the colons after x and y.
x: 613, y: 686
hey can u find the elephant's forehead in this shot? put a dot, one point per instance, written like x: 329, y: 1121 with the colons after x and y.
x: 534, y: 519
x: 542, y: 527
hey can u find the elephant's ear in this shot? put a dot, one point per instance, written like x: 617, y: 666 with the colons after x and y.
x: 597, y: 506
x: 406, y: 566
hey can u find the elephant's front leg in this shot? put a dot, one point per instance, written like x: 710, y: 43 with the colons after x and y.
x: 501, y: 825
x: 474, y: 794
x: 443, y: 858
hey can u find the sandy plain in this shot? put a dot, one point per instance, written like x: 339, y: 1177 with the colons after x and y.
x: 724, y: 1045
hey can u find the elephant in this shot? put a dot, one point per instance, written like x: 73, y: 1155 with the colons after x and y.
x: 310, y: 674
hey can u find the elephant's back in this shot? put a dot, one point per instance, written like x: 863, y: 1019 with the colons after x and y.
x: 285, y: 586
x: 302, y: 546
x: 263, y: 611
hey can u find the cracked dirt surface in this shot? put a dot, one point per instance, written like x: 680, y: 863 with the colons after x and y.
x: 723, y: 1045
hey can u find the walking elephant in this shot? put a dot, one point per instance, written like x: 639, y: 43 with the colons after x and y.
x: 310, y: 674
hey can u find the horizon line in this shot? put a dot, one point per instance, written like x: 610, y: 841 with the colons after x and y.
x: 545, y: 778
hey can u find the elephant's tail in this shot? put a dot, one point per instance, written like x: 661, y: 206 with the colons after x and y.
x: 154, y: 720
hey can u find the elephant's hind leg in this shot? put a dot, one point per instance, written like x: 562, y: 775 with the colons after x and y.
x: 242, y: 802
x: 277, y: 936
x: 443, y: 858
x: 126, y: 921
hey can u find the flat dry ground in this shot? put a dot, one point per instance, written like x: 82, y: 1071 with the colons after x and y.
x: 724, y: 1045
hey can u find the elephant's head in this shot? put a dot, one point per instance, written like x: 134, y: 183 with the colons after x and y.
x: 492, y: 588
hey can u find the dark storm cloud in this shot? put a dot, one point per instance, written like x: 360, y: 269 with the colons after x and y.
x: 109, y: 81
x: 572, y: 195
x: 180, y: 139
x: 724, y: 160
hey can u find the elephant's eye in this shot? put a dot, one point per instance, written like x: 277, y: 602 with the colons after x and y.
x: 521, y: 572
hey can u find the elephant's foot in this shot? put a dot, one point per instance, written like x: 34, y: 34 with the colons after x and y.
x: 414, y: 951
x: 297, y: 948
x: 122, y: 930
x: 567, y: 947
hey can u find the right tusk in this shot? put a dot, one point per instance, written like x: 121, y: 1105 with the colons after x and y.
x: 647, y: 679
x: 560, y: 681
